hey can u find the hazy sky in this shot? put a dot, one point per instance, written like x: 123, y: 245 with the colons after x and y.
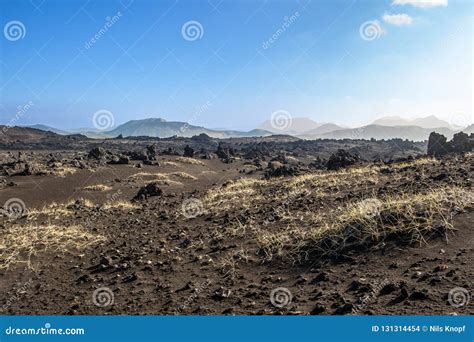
x: 234, y: 63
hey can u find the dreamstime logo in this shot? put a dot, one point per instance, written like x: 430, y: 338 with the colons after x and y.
x: 192, y: 30
x: 14, y: 208
x: 193, y: 296
x: 370, y: 207
x: 103, y: 119
x: 280, y: 297
x: 287, y: 21
x: 371, y: 30
x: 20, y: 112
x: 459, y: 119
x: 14, y: 30
x: 18, y: 293
x: 109, y: 22
x: 370, y: 297
x: 281, y: 120
x: 103, y: 296
x: 459, y: 297
x: 192, y: 207
x: 199, y: 111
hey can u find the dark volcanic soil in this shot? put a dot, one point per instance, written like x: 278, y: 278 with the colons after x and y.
x: 195, y: 249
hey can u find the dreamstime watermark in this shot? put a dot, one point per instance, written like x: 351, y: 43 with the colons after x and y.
x: 459, y: 119
x: 192, y: 30
x: 192, y: 207
x: 14, y: 30
x: 14, y: 208
x: 371, y: 296
x: 18, y: 293
x: 20, y: 112
x: 103, y: 296
x: 356, y: 133
x: 109, y: 22
x: 196, y: 114
x: 103, y: 119
x: 287, y: 21
x: 371, y: 30
x: 193, y: 296
x: 370, y: 207
x: 458, y: 297
x: 281, y: 297
x: 111, y: 199
x: 281, y: 120
x: 46, y: 330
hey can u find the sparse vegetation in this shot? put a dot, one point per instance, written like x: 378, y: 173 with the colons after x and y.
x: 409, y: 216
x: 169, y: 163
x: 98, y: 187
x: 190, y: 161
x: 63, y: 171
x: 127, y: 205
x: 160, y: 176
x: 19, y: 243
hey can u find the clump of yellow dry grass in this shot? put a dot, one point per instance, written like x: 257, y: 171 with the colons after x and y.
x: 63, y: 171
x: 56, y: 210
x: 407, y: 216
x: 98, y: 187
x: 120, y: 205
x: 169, y: 163
x: 247, y: 192
x: 156, y: 177
x: 417, y: 162
x: 191, y: 161
x: 233, y: 193
x: 19, y: 243
x: 182, y: 175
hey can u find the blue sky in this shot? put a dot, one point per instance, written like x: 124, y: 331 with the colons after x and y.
x: 320, y: 64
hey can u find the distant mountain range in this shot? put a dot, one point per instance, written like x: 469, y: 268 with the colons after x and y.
x: 156, y: 127
x: 383, y: 128
x: 49, y: 129
x: 165, y: 129
x: 426, y: 122
x: 293, y: 126
x: 378, y: 132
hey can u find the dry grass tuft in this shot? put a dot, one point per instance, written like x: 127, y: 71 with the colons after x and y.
x: 182, y: 175
x: 236, y: 194
x: 19, y: 243
x: 410, y: 217
x: 64, y: 171
x: 191, y: 161
x: 417, y: 162
x: 121, y: 205
x: 55, y: 210
x: 98, y: 187
x: 169, y: 163
x: 164, y: 178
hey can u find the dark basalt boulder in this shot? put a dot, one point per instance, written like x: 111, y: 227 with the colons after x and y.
x: 152, y: 152
x: 97, y: 153
x: 278, y: 169
x: 138, y: 155
x: 341, y: 159
x: 150, y: 190
x: 438, y: 145
x: 188, y: 152
x: 119, y: 160
x: 225, y: 153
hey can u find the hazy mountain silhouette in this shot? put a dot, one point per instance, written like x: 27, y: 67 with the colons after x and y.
x: 49, y: 129
x: 294, y: 126
x: 158, y: 127
x: 430, y: 121
x: 414, y: 133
